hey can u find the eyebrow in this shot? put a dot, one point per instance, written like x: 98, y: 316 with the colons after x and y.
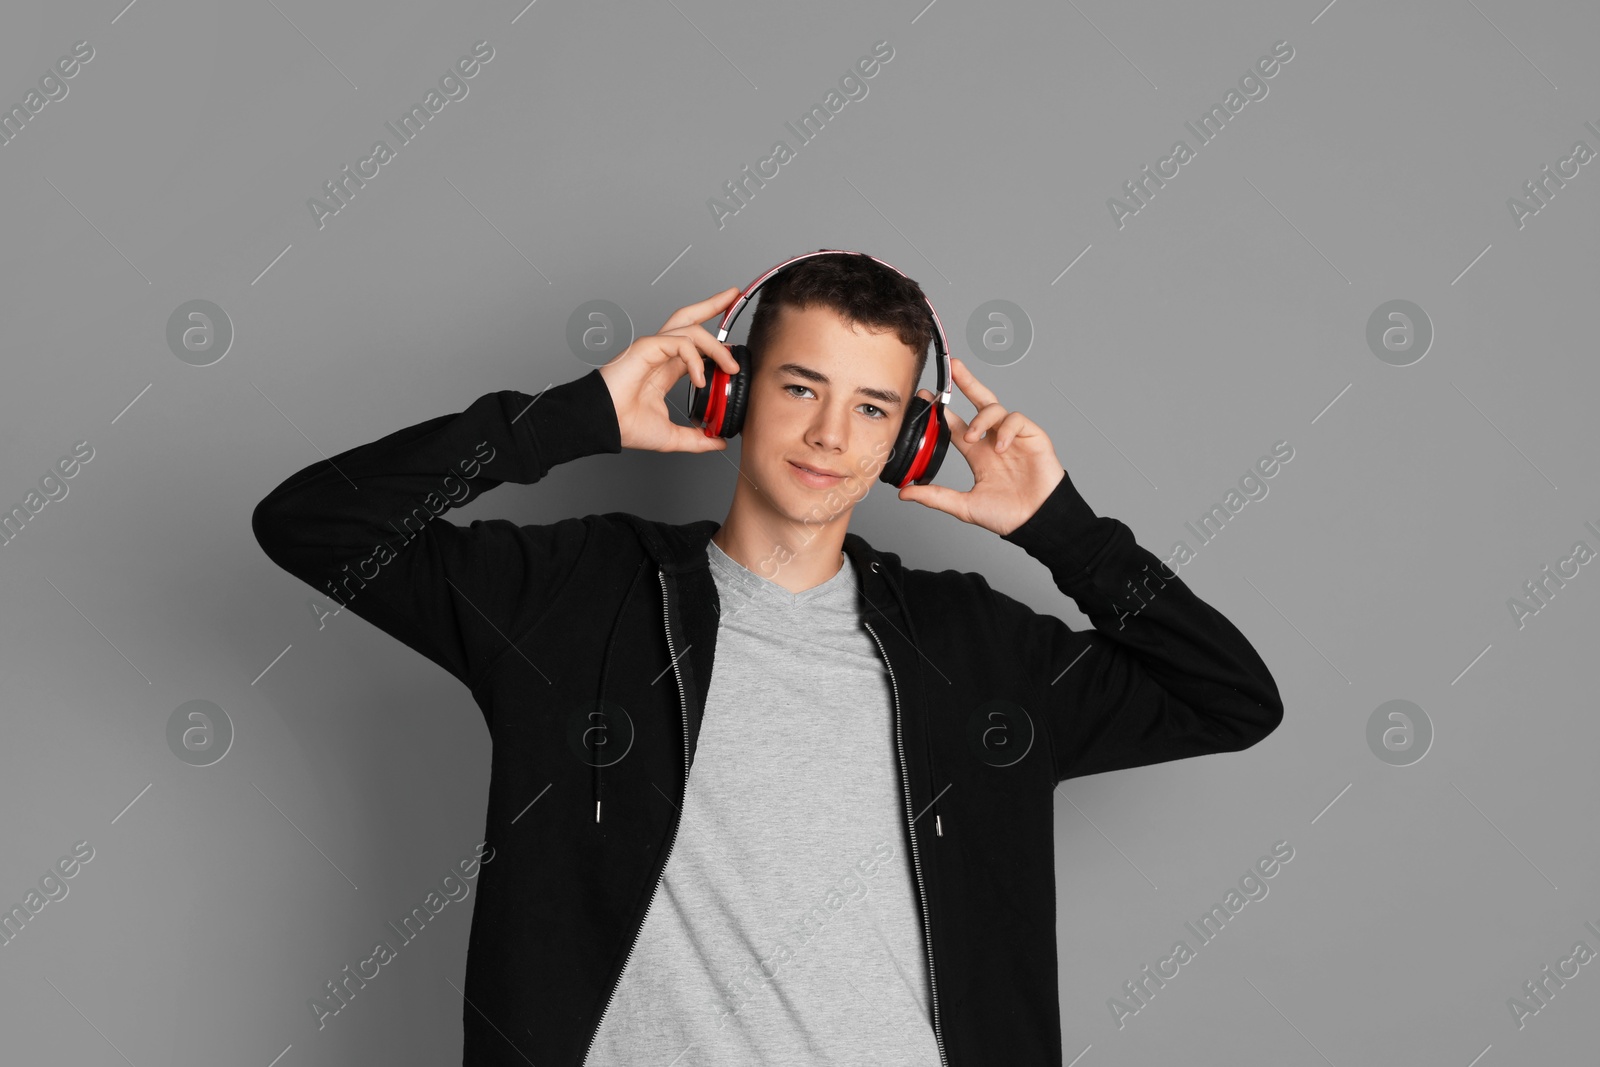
x: 888, y: 397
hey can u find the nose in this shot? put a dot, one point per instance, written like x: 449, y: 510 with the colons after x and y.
x: 831, y: 427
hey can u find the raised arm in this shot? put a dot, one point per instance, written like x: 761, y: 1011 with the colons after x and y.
x: 1162, y: 676
x: 365, y: 528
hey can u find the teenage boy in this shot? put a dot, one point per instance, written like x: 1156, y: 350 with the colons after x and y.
x: 861, y: 866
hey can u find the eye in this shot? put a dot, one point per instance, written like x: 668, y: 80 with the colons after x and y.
x: 880, y: 413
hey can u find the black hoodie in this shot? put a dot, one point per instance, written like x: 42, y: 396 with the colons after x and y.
x: 616, y: 615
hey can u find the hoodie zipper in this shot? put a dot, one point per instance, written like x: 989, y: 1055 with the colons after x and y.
x: 683, y: 707
x: 916, y: 863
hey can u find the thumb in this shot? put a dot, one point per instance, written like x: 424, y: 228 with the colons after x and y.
x: 694, y: 439
x: 937, y: 497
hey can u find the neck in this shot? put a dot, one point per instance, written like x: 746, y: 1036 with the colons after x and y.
x: 796, y: 556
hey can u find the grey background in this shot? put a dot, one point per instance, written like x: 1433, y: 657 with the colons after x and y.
x: 1229, y: 314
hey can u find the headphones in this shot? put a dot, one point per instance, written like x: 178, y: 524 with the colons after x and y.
x: 719, y: 408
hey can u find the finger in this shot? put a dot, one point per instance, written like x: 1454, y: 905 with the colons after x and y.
x: 696, y: 313
x: 1014, y: 425
x: 691, y: 438
x: 690, y: 355
x: 677, y: 356
x: 939, y: 498
x: 957, y: 424
x: 974, y: 390
x: 984, y: 420
x: 694, y: 439
x: 673, y: 356
x: 958, y: 431
x: 707, y: 342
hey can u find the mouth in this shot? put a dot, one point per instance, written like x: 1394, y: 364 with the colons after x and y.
x: 814, y: 478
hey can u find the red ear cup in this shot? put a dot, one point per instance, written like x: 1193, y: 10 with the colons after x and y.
x: 906, y: 443
x: 920, y: 448
x: 935, y: 440
x: 719, y: 408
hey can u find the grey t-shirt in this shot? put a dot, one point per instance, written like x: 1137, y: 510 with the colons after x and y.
x: 785, y: 930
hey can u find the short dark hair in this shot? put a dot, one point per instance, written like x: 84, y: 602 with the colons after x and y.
x: 860, y: 289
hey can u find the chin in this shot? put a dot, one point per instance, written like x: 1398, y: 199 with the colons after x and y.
x: 797, y: 504
x: 815, y: 510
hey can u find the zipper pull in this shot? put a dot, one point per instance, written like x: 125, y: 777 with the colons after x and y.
x: 597, y: 811
x: 938, y: 827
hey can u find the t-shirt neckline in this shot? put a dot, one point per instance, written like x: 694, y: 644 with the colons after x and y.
x: 755, y: 585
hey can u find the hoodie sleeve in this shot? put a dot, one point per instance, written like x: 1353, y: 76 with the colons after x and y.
x: 1162, y: 676
x: 366, y: 528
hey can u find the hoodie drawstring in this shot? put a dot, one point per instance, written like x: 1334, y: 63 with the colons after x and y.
x: 927, y: 757
x: 605, y: 661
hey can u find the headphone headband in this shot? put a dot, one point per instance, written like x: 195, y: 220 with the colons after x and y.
x: 942, y: 366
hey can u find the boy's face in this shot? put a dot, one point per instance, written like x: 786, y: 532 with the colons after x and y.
x: 827, y: 396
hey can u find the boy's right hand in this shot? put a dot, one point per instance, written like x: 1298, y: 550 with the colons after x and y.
x: 641, y: 377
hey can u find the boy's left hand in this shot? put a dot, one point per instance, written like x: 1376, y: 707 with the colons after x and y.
x: 1014, y: 468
